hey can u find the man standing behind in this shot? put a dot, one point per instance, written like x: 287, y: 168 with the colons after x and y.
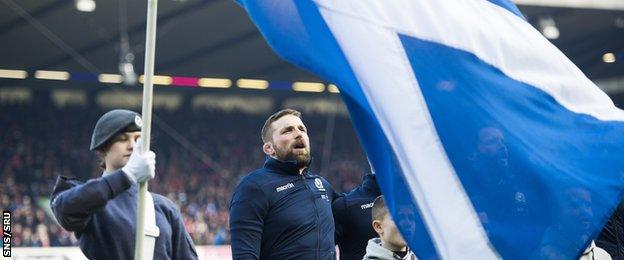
x: 282, y: 211
x: 352, y: 214
x: 612, y: 236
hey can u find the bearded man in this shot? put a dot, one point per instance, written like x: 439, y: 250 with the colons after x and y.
x: 282, y: 211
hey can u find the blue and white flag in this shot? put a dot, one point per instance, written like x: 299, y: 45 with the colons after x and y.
x: 487, y: 141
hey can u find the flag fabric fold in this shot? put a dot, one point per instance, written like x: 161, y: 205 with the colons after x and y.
x: 487, y: 141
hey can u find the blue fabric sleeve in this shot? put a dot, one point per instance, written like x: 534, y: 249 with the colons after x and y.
x: 183, y: 247
x: 74, y: 202
x: 339, y: 208
x: 247, y: 212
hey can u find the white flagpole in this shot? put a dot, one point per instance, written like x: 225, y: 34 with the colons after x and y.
x: 148, y: 86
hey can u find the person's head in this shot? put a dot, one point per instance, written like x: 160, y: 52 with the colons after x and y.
x: 405, y: 219
x: 491, y: 145
x: 285, y: 137
x: 575, y: 207
x: 384, y: 226
x: 114, y: 136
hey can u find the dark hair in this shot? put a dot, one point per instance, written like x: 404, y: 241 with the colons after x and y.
x: 379, y: 210
x: 101, y: 151
x: 267, y: 130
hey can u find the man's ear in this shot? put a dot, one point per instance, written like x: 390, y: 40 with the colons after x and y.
x: 267, y: 148
x: 377, y: 226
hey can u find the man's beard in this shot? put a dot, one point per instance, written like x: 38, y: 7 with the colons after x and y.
x: 302, y: 160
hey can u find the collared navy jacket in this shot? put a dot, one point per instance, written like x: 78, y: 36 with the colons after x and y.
x: 102, y: 213
x: 352, y: 214
x: 611, y: 238
x: 277, y: 213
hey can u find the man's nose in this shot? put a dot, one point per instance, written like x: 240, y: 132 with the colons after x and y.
x: 298, y: 133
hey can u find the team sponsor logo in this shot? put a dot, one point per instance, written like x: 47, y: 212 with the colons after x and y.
x: 367, y: 205
x: 285, y: 187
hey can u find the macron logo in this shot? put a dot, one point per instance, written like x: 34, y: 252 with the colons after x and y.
x: 285, y: 187
x: 366, y: 206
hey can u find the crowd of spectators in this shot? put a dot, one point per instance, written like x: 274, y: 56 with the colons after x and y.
x: 201, y: 155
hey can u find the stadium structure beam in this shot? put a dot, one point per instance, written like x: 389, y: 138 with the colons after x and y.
x: 589, y: 4
x: 612, y: 86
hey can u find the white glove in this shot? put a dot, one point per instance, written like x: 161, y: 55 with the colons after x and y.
x: 140, y: 166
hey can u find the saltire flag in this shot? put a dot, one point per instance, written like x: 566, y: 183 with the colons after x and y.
x: 488, y: 142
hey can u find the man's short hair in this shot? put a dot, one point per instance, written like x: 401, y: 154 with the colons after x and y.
x: 380, y: 210
x: 267, y: 130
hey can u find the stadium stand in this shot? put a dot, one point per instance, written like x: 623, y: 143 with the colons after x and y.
x: 201, y: 154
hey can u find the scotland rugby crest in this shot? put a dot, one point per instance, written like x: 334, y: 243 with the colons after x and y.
x: 319, y: 184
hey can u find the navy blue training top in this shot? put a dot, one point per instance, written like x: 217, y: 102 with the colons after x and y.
x: 611, y: 238
x: 352, y: 214
x: 277, y: 213
x: 102, y: 213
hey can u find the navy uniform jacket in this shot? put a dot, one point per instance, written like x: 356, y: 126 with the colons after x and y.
x: 611, y: 238
x: 352, y: 213
x: 102, y: 213
x: 276, y: 213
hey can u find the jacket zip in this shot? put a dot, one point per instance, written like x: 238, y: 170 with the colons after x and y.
x: 318, y: 235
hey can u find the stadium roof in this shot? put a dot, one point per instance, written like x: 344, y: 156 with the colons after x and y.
x: 215, y: 38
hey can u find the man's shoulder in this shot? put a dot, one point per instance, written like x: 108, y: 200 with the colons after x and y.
x: 161, y: 200
x: 64, y: 183
x: 167, y: 207
x: 256, y: 177
x: 255, y: 182
x: 66, y: 180
x: 317, y: 176
x: 358, y: 196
